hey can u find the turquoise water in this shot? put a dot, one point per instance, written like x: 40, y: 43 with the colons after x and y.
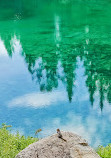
x: 55, y: 67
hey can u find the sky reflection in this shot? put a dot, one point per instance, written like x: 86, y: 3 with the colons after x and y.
x: 55, y: 68
x: 34, y: 110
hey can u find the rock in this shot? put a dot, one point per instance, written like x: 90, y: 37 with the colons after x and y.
x: 54, y: 147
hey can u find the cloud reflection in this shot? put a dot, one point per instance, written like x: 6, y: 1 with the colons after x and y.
x: 38, y: 100
x: 74, y: 123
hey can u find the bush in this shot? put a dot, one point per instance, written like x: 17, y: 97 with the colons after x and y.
x: 10, y: 144
x: 104, y: 152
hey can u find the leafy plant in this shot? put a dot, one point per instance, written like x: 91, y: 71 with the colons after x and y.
x: 104, y: 152
x: 12, y: 144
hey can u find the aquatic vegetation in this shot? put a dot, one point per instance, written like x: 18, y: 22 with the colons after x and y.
x: 12, y: 144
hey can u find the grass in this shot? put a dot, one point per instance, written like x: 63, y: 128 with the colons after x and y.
x: 10, y: 144
x: 104, y: 152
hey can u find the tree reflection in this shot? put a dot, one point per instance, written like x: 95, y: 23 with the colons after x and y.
x: 44, y: 46
x: 98, y: 72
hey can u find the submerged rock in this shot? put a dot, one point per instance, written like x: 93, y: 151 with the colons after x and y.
x: 54, y: 147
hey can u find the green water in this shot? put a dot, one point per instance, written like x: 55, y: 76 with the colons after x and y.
x: 55, y: 67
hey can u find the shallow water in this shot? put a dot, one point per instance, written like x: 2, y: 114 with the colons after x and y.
x: 55, y: 67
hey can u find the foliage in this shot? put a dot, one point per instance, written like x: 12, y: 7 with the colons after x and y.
x: 104, y: 152
x: 10, y: 144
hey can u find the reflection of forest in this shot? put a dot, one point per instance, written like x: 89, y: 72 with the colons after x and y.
x: 55, y: 41
x: 97, y: 64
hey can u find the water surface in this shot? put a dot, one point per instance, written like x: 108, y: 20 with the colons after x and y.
x: 55, y: 67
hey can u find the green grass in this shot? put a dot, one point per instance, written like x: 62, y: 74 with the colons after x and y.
x: 12, y: 144
x: 104, y: 152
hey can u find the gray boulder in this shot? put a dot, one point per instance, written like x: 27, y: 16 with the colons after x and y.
x: 54, y: 147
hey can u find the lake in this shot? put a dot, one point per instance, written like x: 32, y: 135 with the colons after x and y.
x: 55, y: 67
